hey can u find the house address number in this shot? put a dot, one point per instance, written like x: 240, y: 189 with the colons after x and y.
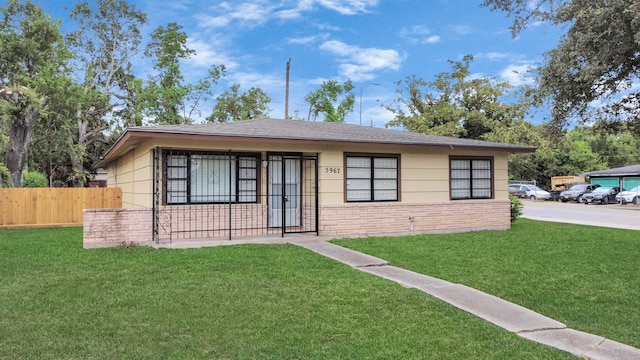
x: 332, y: 170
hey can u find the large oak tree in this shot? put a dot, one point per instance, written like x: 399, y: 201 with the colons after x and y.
x: 333, y: 99
x: 234, y: 106
x: 455, y: 104
x: 32, y: 53
x: 594, y: 69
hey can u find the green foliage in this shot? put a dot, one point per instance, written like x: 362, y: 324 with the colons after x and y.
x: 167, y: 98
x: 597, y: 58
x: 32, y: 56
x: 5, y: 176
x: 30, y: 43
x: 333, y: 99
x: 34, y: 179
x: 577, y: 151
x: 617, y: 146
x: 516, y: 208
x: 106, y: 39
x: 231, y: 106
x: 454, y: 105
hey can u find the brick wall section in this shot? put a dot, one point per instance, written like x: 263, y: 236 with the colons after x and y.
x: 397, y: 218
x: 113, y: 227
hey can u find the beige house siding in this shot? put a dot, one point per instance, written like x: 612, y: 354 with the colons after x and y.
x: 133, y: 173
x: 424, y: 175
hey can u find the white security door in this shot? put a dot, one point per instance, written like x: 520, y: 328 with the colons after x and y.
x: 284, y: 191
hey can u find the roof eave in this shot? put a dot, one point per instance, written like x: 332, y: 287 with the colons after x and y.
x: 121, y: 144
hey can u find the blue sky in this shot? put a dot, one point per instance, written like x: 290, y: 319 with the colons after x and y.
x: 368, y: 41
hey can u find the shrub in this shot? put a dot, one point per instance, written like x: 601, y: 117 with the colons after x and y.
x: 5, y: 176
x: 516, y: 208
x: 34, y: 179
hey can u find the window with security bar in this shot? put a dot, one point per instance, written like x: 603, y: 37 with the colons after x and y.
x: 209, y: 178
x: 371, y: 178
x: 471, y: 178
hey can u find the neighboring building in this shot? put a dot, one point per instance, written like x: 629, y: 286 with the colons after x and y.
x: 626, y: 177
x: 99, y: 180
x: 267, y: 177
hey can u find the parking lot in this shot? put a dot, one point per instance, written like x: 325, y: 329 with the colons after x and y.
x: 616, y: 216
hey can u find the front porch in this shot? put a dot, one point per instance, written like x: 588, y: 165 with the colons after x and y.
x: 213, y: 195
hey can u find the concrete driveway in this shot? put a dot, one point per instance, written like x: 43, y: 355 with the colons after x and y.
x: 614, y: 216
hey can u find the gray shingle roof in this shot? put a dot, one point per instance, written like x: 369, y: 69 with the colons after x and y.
x: 324, y: 131
x: 632, y: 170
x: 272, y: 130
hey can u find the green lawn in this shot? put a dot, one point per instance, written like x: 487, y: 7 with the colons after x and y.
x: 586, y: 277
x: 59, y: 301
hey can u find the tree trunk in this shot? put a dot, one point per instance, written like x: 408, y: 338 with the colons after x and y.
x: 20, y: 131
x: 20, y: 135
x: 75, y: 156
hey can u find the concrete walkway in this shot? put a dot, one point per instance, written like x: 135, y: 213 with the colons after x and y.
x: 509, y: 316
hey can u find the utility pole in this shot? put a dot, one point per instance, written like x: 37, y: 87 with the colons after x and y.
x: 362, y: 88
x: 286, y: 98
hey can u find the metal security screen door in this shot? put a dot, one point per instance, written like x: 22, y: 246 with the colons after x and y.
x: 213, y: 195
x: 293, y: 196
x: 284, y: 192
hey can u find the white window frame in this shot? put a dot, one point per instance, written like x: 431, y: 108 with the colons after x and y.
x: 372, y: 178
x: 471, y: 178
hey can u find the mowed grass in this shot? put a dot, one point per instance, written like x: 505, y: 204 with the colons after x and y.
x: 586, y: 277
x: 59, y: 301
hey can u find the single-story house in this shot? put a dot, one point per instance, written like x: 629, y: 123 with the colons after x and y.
x: 273, y: 177
x: 626, y: 177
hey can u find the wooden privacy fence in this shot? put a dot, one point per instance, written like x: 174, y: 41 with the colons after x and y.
x: 39, y: 207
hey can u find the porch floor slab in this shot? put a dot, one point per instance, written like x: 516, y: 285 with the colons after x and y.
x: 265, y: 240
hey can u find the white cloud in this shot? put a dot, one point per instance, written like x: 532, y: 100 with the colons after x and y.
x: 295, y: 12
x: 348, y: 7
x: 326, y: 27
x: 248, y: 80
x: 461, y: 29
x: 308, y: 39
x: 418, y: 34
x: 213, y: 21
x: 494, y: 56
x: 253, y: 13
x: 209, y: 53
x: 431, y: 40
x: 517, y: 75
x: 476, y: 75
x: 359, y: 63
x: 246, y: 14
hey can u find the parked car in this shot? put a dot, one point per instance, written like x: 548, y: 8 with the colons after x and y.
x: 631, y: 196
x: 576, y: 191
x: 601, y: 195
x: 533, y: 192
x: 515, y: 191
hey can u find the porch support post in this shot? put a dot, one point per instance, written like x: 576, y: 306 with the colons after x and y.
x: 156, y: 196
x: 284, y: 195
x: 316, y: 199
x: 230, y: 187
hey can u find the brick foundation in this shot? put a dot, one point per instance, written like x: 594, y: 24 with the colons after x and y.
x: 397, y: 218
x: 113, y: 227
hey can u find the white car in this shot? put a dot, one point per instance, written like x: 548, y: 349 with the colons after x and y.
x: 631, y: 196
x: 533, y: 192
